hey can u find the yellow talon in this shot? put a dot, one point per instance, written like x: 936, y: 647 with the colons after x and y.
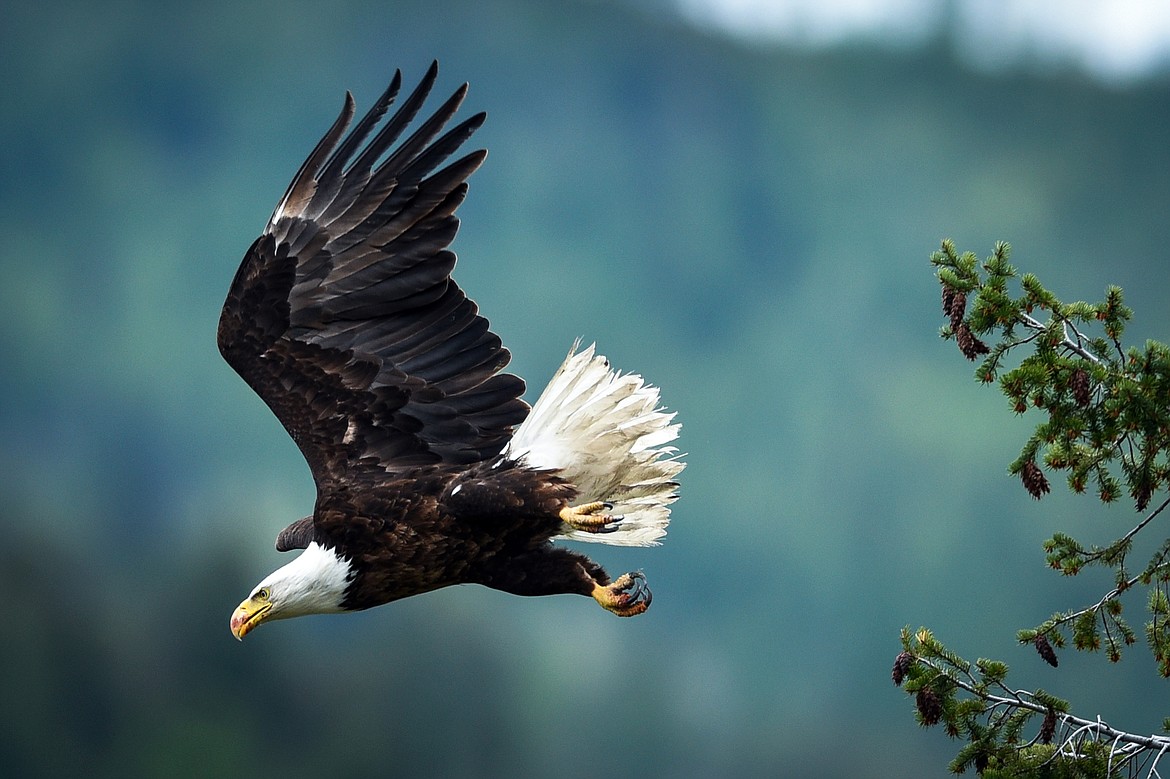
x: 591, y: 517
x: 628, y: 596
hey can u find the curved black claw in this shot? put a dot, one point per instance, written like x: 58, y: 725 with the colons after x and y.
x: 612, y: 524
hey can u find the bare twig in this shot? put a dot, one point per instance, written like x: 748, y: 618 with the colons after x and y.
x: 1070, y: 344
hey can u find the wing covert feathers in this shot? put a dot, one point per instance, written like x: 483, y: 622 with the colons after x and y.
x: 609, y: 437
x: 343, y: 316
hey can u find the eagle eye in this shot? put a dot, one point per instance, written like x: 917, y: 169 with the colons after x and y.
x: 261, y: 594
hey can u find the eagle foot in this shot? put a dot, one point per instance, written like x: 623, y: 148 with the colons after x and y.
x: 591, y: 517
x: 628, y: 596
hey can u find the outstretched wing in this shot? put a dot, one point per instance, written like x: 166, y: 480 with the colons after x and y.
x: 343, y: 316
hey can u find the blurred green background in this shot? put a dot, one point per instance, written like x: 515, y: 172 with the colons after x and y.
x: 746, y: 225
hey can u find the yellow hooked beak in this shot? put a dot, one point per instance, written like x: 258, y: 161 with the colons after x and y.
x: 249, y: 614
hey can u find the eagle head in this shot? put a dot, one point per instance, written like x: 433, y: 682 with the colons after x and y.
x: 314, y: 583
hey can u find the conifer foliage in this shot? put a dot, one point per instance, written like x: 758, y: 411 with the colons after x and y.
x: 1105, y: 426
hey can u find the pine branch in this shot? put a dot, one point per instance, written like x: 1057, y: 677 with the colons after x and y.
x: 1106, y: 423
x: 1107, y: 418
x: 994, y: 710
x: 1065, y: 554
x: 1024, y: 699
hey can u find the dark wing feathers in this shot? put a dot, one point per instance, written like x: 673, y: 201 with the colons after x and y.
x: 394, y: 128
x: 343, y: 316
x: 298, y: 535
x: 304, y: 185
x: 334, y: 167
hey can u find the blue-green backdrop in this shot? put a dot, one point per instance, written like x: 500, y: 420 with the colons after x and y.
x: 746, y: 226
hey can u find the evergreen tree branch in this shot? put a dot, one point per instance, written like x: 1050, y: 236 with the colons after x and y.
x: 1024, y: 699
x: 994, y: 714
x: 1106, y: 424
x: 1106, y: 610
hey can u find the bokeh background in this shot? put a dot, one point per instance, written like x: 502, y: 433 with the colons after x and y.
x: 741, y: 210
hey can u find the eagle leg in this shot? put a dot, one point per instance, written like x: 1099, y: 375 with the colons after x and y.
x: 627, y: 596
x: 553, y: 571
x: 591, y: 517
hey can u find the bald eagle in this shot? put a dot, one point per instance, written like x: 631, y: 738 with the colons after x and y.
x: 429, y: 467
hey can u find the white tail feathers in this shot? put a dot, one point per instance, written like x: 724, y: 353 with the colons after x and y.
x: 607, y: 435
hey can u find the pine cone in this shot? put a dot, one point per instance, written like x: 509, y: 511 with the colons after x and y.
x: 1045, y: 649
x: 902, y: 664
x: 1142, y: 495
x: 1035, y: 482
x: 929, y: 706
x: 969, y: 345
x: 1081, y: 389
x: 1048, y: 727
x: 948, y: 297
x: 954, y: 306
